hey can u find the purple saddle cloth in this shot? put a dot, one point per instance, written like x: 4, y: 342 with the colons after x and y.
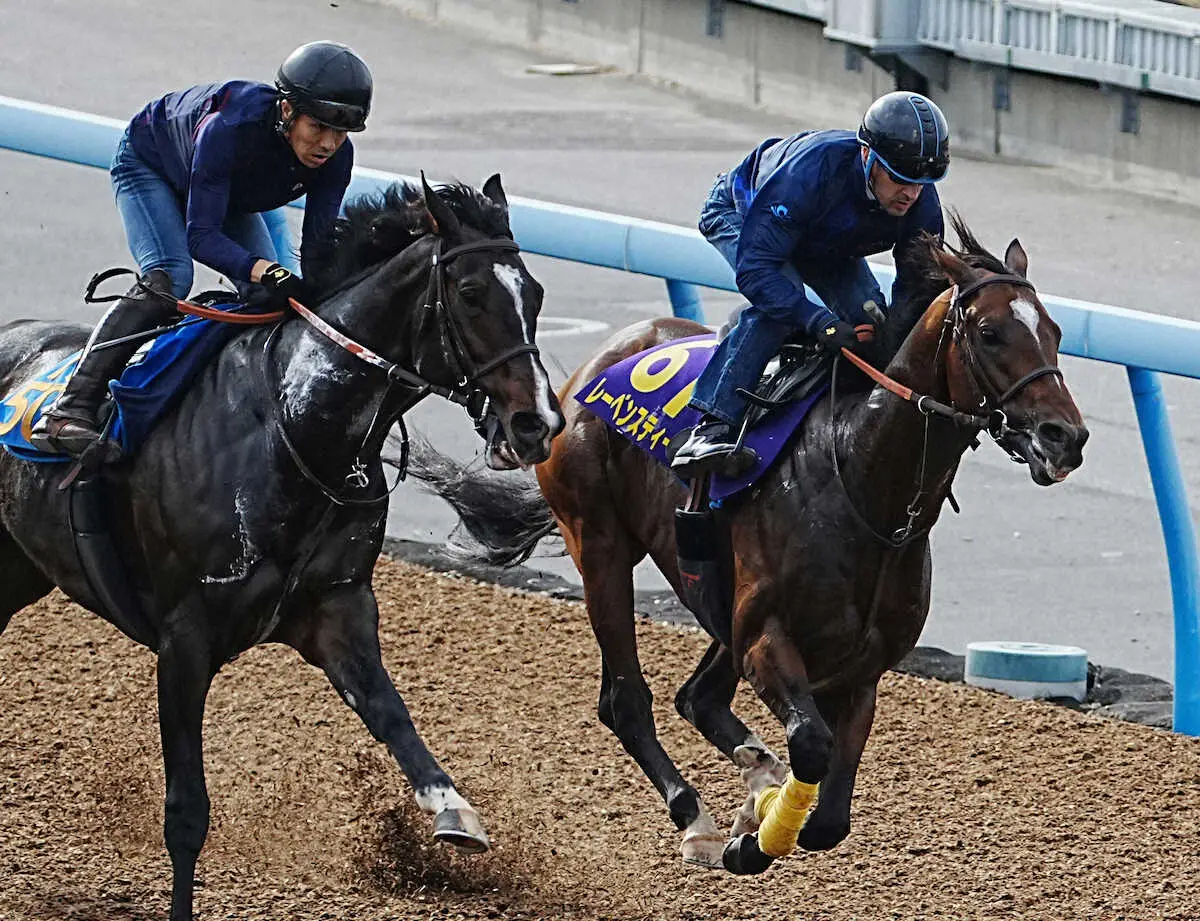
x: 645, y: 398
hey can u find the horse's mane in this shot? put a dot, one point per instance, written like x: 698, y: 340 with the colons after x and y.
x: 378, y: 225
x: 927, y: 280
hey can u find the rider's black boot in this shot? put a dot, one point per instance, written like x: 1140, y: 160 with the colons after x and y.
x: 713, y: 447
x: 70, y: 426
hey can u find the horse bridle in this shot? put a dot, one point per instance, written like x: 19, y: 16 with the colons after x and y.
x: 992, y: 399
x: 454, y: 350
x: 993, y: 419
x: 435, y: 299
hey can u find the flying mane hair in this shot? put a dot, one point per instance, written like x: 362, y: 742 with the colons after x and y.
x: 378, y: 225
x: 927, y: 280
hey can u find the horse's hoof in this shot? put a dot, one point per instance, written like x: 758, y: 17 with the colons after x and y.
x: 743, y: 857
x: 461, y: 828
x: 814, y: 837
x: 703, y: 850
x: 760, y: 767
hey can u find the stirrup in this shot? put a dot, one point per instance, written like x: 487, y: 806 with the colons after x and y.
x: 730, y: 463
x: 88, y: 444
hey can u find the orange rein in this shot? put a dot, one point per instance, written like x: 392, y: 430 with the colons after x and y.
x: 865, y: 334
x: 228, y: 316
x: 924, y: 404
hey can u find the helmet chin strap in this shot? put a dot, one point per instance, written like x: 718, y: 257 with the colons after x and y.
x: 867, y: 165
x: 283, y: 125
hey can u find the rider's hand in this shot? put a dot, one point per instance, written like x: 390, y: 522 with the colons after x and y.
x: 836, y: 335
x: 282, y: 284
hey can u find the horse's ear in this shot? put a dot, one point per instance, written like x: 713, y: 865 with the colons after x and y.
x: 442, y: 219
x: 495, y: 191
x: 953, y: 267
x: 1015, y: 258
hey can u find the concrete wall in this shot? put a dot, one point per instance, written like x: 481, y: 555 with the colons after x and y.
x: 785, y: 64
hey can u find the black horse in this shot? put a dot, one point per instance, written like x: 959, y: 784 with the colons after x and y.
x: 255, y: 511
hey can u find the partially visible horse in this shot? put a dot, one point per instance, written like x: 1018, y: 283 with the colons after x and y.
x: 255, y: 511
x: 828, y: 552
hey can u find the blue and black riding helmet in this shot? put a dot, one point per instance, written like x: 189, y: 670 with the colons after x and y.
x: 907, y: 135
x: 327, y: 82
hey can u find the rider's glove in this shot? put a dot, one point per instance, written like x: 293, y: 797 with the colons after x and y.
x: 281, y: 284
x: 836, y: 335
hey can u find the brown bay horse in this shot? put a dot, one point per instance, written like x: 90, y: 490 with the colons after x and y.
x: 828, y: 551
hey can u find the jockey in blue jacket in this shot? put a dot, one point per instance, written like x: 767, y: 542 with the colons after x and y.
x: 195, y: 176
x: 805, y: 210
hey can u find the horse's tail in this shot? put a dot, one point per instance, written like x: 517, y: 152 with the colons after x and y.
x: 502, y: 516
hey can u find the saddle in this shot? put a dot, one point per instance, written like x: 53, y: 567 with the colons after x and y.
x: 799, y: 370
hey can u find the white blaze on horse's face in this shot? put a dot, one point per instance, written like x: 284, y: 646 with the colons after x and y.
x: 512, y: 280
x: 1027, y: 313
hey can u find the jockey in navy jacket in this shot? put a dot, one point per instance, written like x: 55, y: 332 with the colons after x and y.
x: 218, y: 147
x: 805, y: 200
x: 805, y: 210
x: 198, y: 176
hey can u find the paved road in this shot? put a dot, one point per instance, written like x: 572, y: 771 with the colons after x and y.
x: 1081, y: 563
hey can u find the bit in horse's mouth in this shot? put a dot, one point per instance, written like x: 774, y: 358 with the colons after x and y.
x: 501, y: 456
x: 1040, y: 463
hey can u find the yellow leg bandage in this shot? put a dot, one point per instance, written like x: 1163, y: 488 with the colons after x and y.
x: 782, y: 812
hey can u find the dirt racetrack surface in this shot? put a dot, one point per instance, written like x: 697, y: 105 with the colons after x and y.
x: 969, y: 805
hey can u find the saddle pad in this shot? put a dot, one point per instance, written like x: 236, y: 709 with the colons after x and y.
x: 146, y: 389
x: 645, y: 398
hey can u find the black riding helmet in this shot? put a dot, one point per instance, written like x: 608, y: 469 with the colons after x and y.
x: 908, y: 135
x: 328, y: 82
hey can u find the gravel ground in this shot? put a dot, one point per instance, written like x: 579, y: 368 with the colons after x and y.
x: 970, y: 805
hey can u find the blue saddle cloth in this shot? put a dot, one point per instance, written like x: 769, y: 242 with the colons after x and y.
x: 645, y: 398
x: 146, y: 389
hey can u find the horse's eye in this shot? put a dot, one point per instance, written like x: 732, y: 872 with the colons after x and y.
x: 473, y: 293
x: 989, y: 336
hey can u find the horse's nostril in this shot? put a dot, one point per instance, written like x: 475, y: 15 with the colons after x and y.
x: 1052, y: 433
x: 528, y: 426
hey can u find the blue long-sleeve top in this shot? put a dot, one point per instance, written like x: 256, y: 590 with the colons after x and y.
x: 805, y: 198
x: 217, y: 146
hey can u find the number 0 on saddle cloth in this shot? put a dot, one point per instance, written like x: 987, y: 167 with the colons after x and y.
x: 645, y: 398
x: 147, y: 388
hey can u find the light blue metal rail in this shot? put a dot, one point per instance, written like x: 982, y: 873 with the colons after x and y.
x: 1144, y: 343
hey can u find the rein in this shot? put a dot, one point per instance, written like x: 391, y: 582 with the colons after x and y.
x: 188, y: 307
x: 454, y: 350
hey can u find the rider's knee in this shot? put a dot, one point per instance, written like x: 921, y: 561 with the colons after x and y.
x: 179, y: 272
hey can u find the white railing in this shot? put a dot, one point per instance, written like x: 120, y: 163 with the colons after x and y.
x: 1138, y: 48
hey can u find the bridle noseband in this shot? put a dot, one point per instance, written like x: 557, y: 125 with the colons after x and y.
x: 992, y: 399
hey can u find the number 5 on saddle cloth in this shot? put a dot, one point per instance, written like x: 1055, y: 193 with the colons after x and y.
x: 148, y: 386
